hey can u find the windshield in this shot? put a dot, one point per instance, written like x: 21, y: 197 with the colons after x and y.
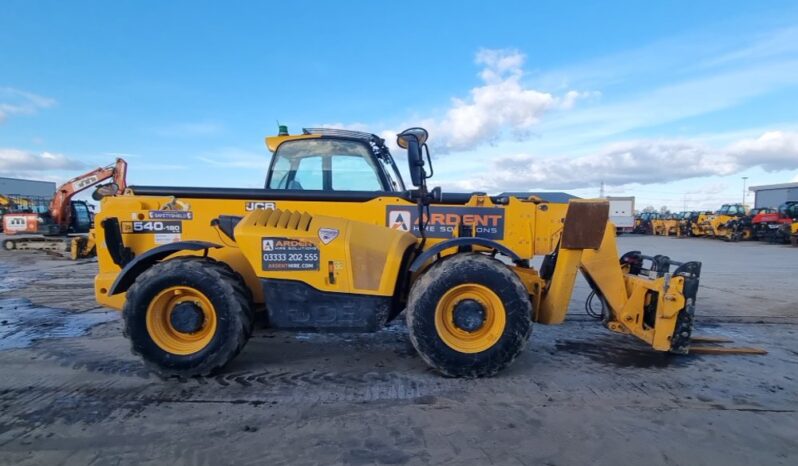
x: 394, y: 178
x: 326, y: 165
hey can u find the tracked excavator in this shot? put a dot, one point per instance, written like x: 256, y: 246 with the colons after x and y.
x: 65, y: 228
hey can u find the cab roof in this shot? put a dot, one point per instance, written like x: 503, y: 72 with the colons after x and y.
x: 272, y: 142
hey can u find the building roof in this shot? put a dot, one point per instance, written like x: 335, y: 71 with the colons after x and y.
x: 18, y: 186
x: 555, y: 197
x: 774, y: 186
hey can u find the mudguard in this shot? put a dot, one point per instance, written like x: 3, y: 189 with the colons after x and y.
x: 457, y: 243
x: 139, y: 264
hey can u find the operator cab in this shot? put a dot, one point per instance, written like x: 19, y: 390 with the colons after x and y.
x: 82, y: 217
x: 732, y: 210
x: 322, y: 159
x: 789, y: 209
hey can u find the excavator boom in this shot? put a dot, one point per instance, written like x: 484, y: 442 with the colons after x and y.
x: 60, y: 205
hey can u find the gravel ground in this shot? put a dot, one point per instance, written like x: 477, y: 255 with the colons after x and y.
x: 71, y: 393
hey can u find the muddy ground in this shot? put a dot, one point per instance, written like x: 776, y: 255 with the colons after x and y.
x: 71, y: 393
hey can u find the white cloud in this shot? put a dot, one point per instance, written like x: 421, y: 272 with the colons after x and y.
x: 18, y: 102
x: 641, y: 162
x: 503, y: 103
x: 773, y: 151
x: 16, y: 160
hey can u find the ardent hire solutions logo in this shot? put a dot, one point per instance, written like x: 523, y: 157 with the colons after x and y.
x: 400, y: 220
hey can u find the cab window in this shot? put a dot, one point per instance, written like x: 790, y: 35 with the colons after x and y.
x: 353, y: 174
x: 325, y: 165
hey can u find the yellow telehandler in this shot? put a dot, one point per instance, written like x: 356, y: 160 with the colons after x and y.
x: 720, y: 225
x: 336, y: 242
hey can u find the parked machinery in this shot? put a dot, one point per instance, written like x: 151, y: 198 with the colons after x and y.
x: 716, y: 225
x: 64, y: 225
x: 348, y: 248
x: 788, y: 229
x: 742, y: 228
x: 643, y: 223
x: 769, y: 226
x: 667, y: 225
x: 6, y: 205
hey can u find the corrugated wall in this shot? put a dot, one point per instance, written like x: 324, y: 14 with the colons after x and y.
x: 775, y: 197
x: 27, y: 187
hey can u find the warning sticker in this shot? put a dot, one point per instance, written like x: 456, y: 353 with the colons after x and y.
x: 289, y: 254
x: 171, y: 214
x: 166, y: 238
x: 488, y: 222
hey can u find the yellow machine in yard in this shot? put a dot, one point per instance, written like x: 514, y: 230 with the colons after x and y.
x: 666, y: 225
x: 335, y: 242
x: 718, y: 225
x: 691, y: 223
x: 789, y: 229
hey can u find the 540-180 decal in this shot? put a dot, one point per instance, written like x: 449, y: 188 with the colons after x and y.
x: 167, y: 231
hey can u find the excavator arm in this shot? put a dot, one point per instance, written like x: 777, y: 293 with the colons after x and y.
x: 654, y: 304
x: 60, y: 205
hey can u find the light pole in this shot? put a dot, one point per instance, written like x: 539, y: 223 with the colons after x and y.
x: 745, y: 178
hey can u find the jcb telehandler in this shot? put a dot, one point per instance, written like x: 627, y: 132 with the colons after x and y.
x: 644, y: 223
x: 720, y: 225
x: 335, y: 242
x: 666, y: 225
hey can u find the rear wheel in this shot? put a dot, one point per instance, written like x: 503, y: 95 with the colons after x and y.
x: 469, y: 316
x: 9, y: 245
x: 188, y: 316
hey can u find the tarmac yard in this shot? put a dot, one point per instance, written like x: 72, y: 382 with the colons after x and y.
x: 71, y: 392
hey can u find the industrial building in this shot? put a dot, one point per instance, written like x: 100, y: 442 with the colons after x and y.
x: 26, y: 188
x: 773, y: 195
x: 548, y: 196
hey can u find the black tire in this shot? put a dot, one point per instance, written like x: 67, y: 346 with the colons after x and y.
x: 460, y: 269
x: 231, y: 300
x: 9, y: 245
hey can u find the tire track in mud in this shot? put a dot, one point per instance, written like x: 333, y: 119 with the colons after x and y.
x: 556, y: 369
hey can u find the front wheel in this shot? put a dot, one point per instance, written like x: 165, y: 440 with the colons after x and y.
x: 469, y: 316
x: 188, y: 316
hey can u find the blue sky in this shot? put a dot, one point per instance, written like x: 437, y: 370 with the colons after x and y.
x: 672, y: 102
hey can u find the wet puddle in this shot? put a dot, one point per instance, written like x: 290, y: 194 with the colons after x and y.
x: 22, y: 323
x: 613, y: 353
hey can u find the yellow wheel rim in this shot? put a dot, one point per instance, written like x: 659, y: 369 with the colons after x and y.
x: 165, y: 335
x: 484, y: 337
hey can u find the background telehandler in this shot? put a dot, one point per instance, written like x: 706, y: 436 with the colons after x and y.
x: 720, y: 225
x: 335, y: 242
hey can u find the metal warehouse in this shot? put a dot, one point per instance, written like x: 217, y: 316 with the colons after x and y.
x: 26, y: 188
x: 773, y: 195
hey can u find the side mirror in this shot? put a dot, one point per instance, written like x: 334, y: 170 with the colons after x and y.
x: 415, y: 162
x: 413, y: 139
x: 109, y: 189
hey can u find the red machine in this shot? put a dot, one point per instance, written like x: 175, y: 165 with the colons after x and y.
x: 768, y: 225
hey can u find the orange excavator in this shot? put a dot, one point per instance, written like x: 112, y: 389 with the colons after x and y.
x: 66, y: 225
